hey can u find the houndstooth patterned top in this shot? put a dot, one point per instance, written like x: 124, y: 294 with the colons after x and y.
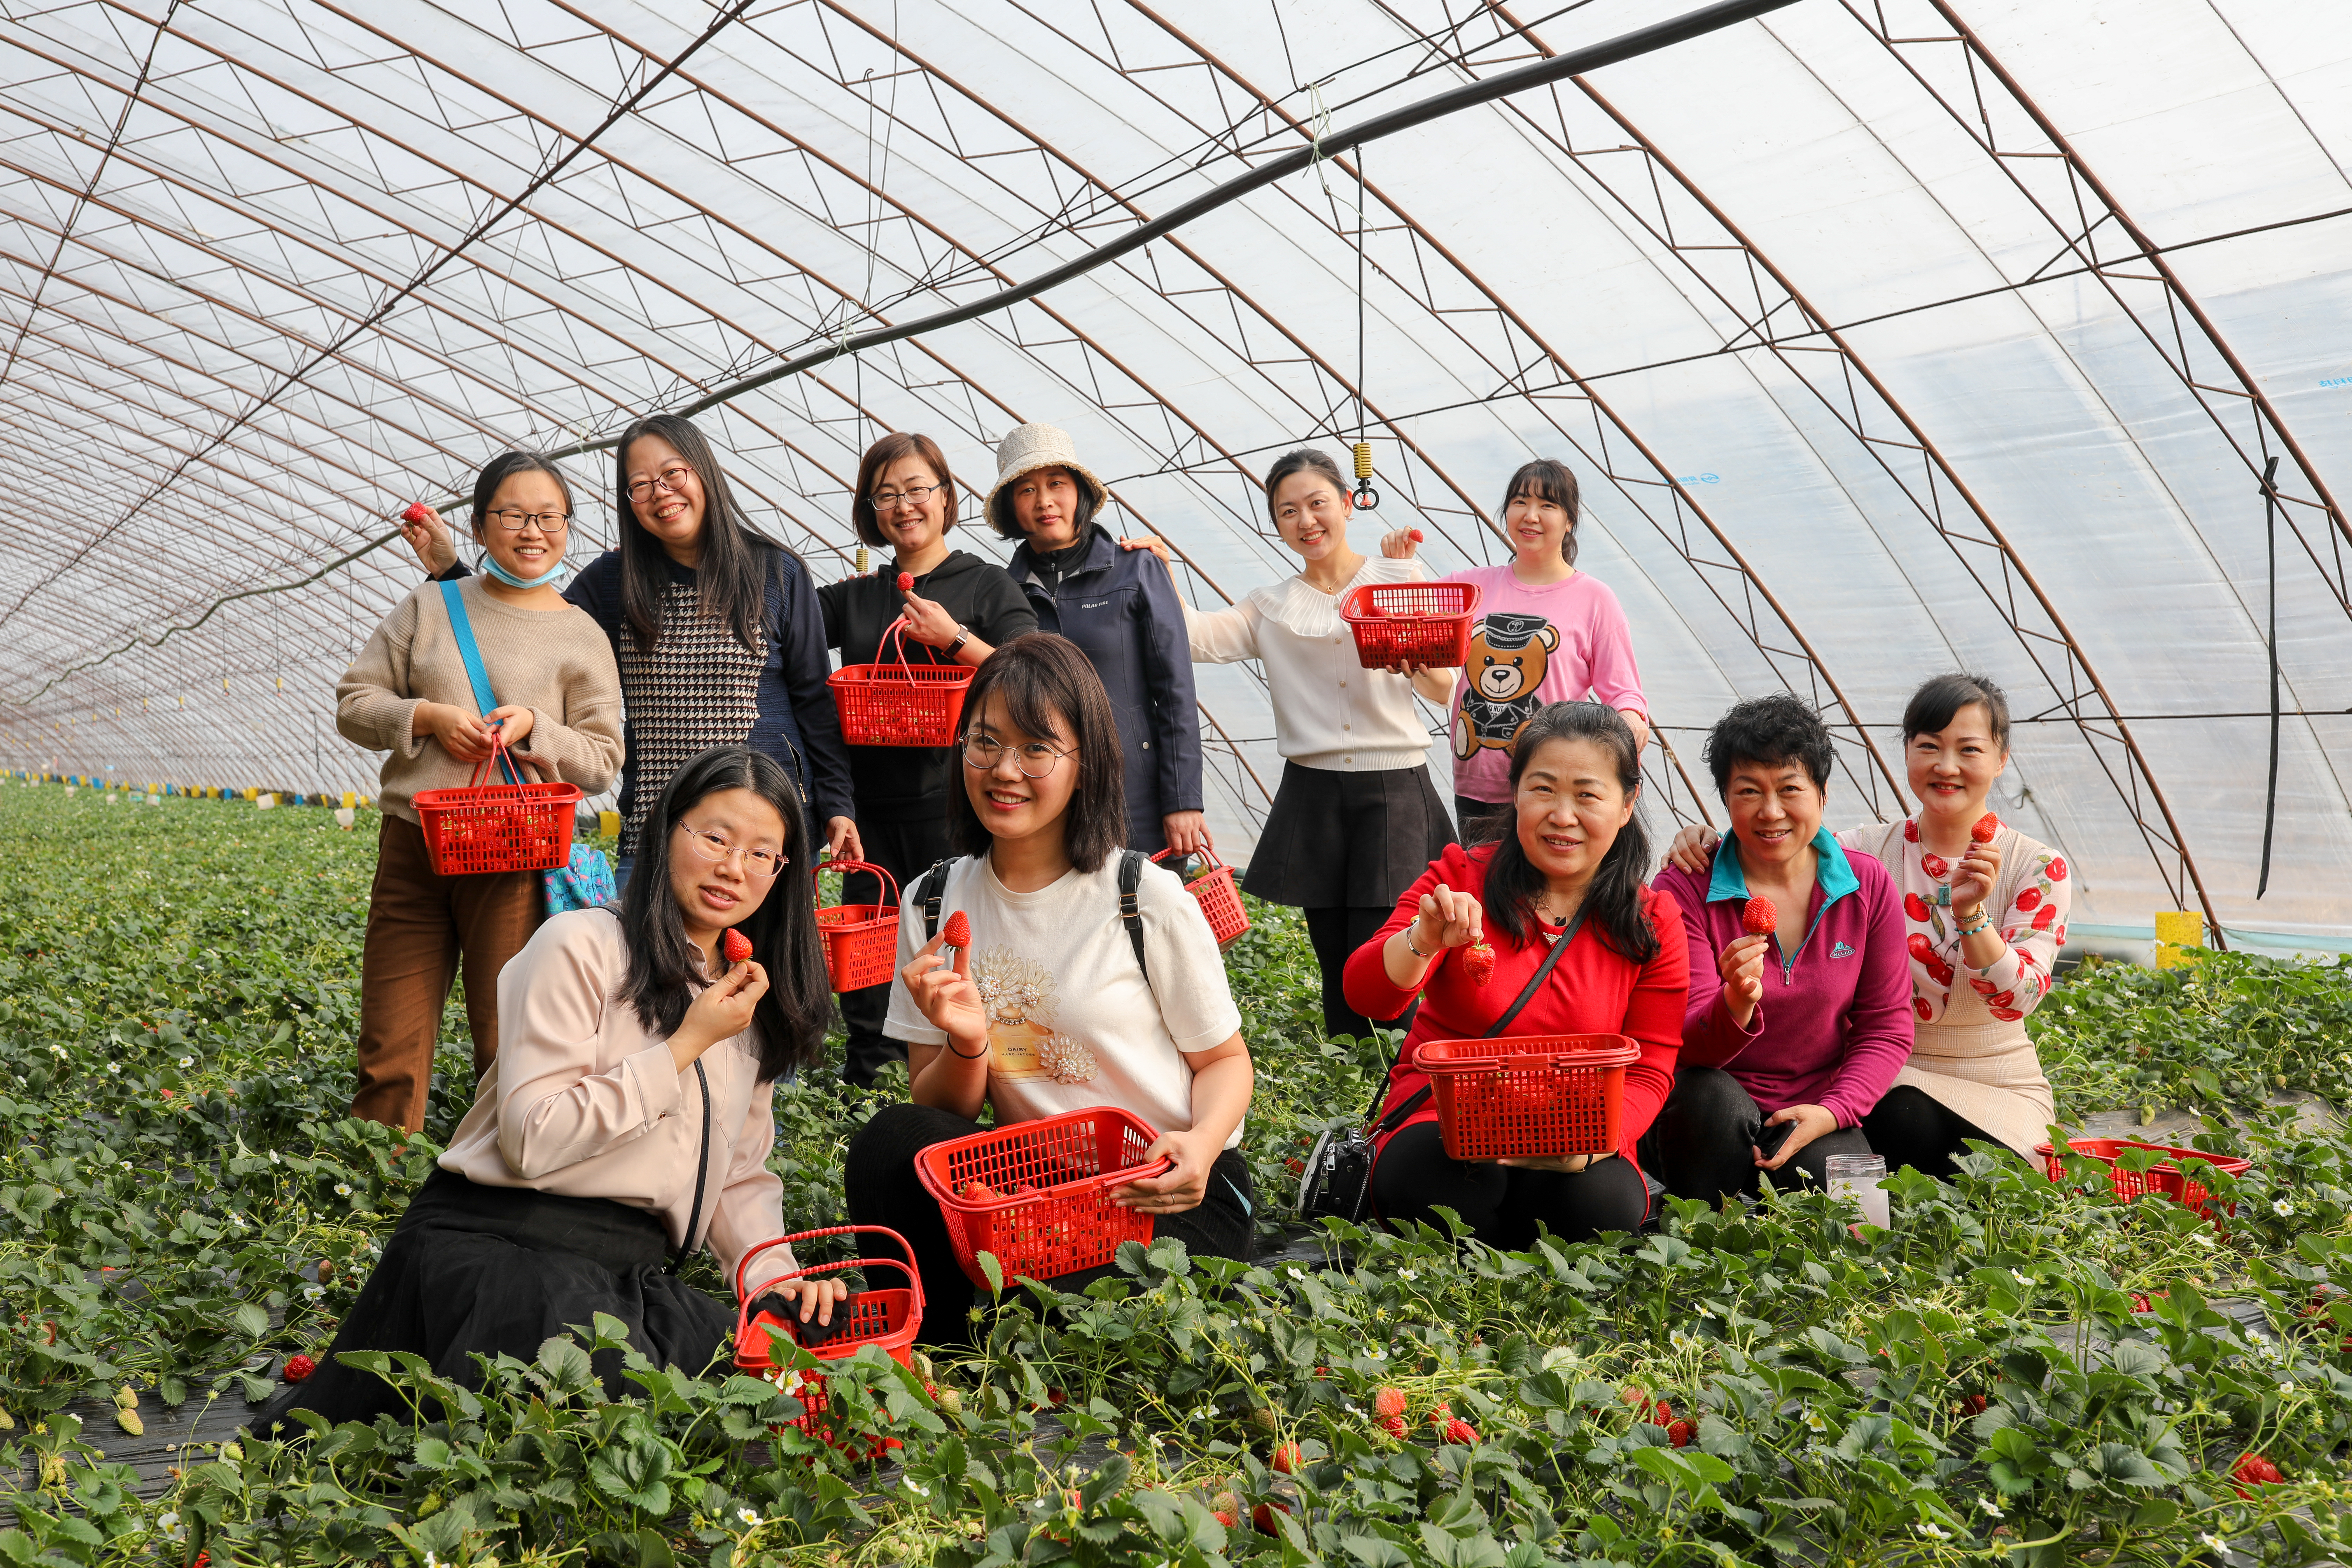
x: 696, y: 688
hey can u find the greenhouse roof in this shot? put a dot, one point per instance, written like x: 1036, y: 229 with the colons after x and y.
x: 1885, y: 337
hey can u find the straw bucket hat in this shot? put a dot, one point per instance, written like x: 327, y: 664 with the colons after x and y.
x: 1028, y: 447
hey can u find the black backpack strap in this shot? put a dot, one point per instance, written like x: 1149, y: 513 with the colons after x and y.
x: 928, y: 893
x: 1130, y: 911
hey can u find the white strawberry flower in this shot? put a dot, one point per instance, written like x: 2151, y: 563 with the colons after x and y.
x: 750, y: 1519
x: 1991, y: 1508
x: 1816, y: 1422
x: 342, y: 1189
x: 2282, y: 1208
x: 185, y: 1061
x: 1928, y: 1528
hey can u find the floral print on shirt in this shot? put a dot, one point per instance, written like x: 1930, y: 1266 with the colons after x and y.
x: 2029, y: 904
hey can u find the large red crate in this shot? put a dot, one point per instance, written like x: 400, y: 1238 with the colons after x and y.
x: 1047, y: 1211
x: 1520, y: 1096
x: 2164, y: 1176
x: 1411, y: 623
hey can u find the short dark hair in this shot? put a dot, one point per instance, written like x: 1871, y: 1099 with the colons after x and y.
x: 1774, y: 731
x: 1548, y: 479
x: 894, y: 447
x: 1940, y: 699
x: 1615, y: 894
x: 1000, y: 505
x: 1044, y: 678
x: 1301, y: 460
x: 731, y: 577
x: 790, y: 1020
x: 506, y: 466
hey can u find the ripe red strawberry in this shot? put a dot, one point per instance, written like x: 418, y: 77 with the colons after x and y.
x: 1680, y: 1433
x: 957, y: 930
x: 1478, y: 963
x: 2255, y: 1470
x: 1262, y: 1516
x: 1439, y: 1416
x: 1288, y: 1458
x: 1415, y: 534
x: 1986, y: 827
x: 1635, y: 1395
x: 417, y: 513
x: 1761, y: 918
x: 1460, y: 1431
x: 906, y: 581
x: 1393, y: 1424
x: 737, y: 946
x: 1664, y: 1413
x: 1974, y: 1404
x: 1389, y: 1402
x: 1295, y: 1165
x: 298, y: 1367
x: 1225, y: 1517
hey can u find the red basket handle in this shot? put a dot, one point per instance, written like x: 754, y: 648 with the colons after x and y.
x: 914, y: 1280
x: 892, y: 901
x: 497, y: 756
x: 1206, y: 854
x: 895, y: 635
x: 1118, y: 1178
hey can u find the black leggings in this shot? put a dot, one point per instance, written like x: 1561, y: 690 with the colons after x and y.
x: 1911, y: 1127
x: 1703, y: 1144
x: 1337, y: 933
x: 1503, y: 1205
x: 883, y: 1189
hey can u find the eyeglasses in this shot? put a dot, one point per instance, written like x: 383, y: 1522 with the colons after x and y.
x: 913, y: 495
x: 1034, y: 758
x: 761, y: 863
x: 672, y: 479
x: 514, y: 520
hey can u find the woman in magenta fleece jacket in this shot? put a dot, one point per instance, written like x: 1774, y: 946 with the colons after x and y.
x: 1806, y: 1027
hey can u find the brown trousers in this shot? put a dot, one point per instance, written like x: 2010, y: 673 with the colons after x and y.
x: 419, y: 923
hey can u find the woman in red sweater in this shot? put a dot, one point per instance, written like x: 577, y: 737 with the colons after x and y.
x: 1568, y: 867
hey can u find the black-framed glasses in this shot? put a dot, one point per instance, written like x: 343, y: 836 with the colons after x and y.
x: 672, y: 479
x: 765, y: 864
x: 1034, y: 758
x: 913, y: 495
x: 514, y: 520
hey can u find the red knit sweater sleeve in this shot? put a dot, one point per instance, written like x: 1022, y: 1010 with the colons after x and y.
x: 1654, y: 1016
x: 1365, y: 980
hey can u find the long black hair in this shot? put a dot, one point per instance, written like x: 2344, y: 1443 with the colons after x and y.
x: 731, y: 573
x: 1044, y: 678
x: 1612, y: 900
x: 790, y: 1022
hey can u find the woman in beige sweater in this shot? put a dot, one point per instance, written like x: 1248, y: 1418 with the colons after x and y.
x: 551, y: 671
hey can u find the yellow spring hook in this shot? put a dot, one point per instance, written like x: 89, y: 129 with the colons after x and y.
x: 1366, y: 497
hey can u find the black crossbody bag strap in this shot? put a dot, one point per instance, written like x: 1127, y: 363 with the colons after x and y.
x: 928, y: 893
x: 1130, y: 912
x: 1414, y: 1100
x: 701, y: 1172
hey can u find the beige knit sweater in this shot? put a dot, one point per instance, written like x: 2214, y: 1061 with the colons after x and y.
x: 557, y: 663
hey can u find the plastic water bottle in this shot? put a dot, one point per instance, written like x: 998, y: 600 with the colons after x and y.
x: 1857, y: 1176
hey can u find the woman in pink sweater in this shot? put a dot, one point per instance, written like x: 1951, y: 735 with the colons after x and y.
x: 1803, y: 1028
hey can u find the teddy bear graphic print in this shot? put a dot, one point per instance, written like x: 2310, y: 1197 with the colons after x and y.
x: 1502, y: 681
x: 1019, y: 996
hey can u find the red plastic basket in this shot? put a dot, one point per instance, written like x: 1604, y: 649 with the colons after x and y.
x: 899, y: 704
x: 1528, y: 1095
x: 1219, y: 898
x: 491, y: 827
x: 2164, y: 1177
x: 1411, y: 623
x: 861, y: 941
x: 1052, y: 1214
x: 889, y: 1318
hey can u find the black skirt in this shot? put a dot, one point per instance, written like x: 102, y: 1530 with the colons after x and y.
x: 477, y: 1269
x: 1347, y: 840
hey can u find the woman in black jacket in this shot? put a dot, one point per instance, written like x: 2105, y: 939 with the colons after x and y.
x: 1121, y: 608
x: 958, y: 610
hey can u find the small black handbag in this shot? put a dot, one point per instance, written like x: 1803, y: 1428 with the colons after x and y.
x: 1338, y: 1178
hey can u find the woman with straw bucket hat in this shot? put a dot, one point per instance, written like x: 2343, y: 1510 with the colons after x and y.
x: 1121, y: 609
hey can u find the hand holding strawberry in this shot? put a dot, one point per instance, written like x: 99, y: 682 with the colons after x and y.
x: 1761, y: 917
x: 1478, y: 963
x: 957, y: 933
x: 1987, y: 827
x: 436, y: 547
x: 906, y: 581
x: 1447, y: 919
x: 738, y: 946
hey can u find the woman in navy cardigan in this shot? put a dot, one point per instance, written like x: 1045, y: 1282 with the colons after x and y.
x: 1121, y: 609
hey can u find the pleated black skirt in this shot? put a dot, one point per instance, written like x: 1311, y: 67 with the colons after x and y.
x: 1347, y: 840
x: 475, y: 1270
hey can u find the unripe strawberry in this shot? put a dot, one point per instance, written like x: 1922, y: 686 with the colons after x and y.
x: 1227, y: 1517
x: 1265, y: 1420
x: 1389, y: 1402
x: 298, y: 1366
x: 1227, y: 1507
x: 957, y: 930
x: 738, y: 946
x: 1986, y: 827
x: 1761, y: 918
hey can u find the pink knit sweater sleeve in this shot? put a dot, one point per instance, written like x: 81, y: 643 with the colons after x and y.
x: 1616, y: 678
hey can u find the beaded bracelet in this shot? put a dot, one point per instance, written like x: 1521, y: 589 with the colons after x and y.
x: 1984, y: 923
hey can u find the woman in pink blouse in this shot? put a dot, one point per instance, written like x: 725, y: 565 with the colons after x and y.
x: 1992, y: 914
x: 628, y: 1118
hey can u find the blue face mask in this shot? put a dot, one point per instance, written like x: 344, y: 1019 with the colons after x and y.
x: 490, y: 564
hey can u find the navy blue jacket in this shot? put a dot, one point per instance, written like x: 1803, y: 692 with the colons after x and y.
x: 798, y: 724
x: 1120, y: 606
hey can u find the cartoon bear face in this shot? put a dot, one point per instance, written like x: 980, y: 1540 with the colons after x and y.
x: 1507, y: 656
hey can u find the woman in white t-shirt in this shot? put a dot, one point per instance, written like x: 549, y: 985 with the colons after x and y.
x: 1049, y: 1009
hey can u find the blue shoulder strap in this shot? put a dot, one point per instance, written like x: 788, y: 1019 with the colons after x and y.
x: 463, y: 628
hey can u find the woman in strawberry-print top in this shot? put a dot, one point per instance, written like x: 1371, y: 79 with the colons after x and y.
x: 1992, y: 912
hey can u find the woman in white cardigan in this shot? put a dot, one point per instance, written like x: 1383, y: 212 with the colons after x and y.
x: 1356, y: 818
